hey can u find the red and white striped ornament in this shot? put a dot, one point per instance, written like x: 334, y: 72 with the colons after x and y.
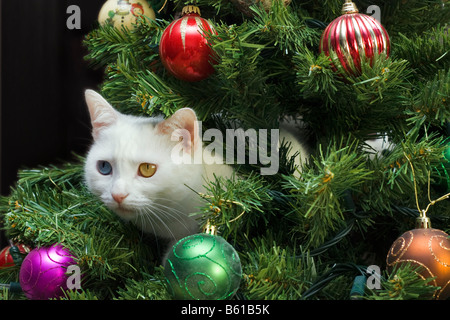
x: 183, y: 49
x: 352, y: 38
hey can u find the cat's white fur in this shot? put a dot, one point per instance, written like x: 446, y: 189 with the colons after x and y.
x: 161, y: 204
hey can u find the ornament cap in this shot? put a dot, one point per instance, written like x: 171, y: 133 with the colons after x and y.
x: 423, y: 222
x: 349, y: 7
x: 190, y: 9
x: 210, y: 228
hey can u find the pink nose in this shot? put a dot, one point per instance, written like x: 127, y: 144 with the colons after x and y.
x: 119, y: 197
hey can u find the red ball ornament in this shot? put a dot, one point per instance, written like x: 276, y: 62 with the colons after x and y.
x: 352, y: 37
x: 6, y: 258
x: 183, y: 49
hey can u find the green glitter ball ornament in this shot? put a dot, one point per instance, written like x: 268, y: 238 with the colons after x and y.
x: 203, y: 267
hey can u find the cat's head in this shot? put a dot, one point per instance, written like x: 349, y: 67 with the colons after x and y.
x: 131, y: 164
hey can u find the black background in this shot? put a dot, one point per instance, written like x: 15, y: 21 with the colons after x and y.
x: 44, y: 118
x: 43, y: 76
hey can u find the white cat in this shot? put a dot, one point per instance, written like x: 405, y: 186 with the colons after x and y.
x: 131, y: 169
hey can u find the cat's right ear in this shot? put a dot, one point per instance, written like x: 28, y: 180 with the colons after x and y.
x: 101, y: 112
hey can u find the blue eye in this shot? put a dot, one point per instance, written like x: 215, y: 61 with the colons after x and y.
x: 104, y: 167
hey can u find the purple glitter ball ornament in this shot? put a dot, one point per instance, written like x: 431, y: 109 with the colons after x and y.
x: 43, y: 272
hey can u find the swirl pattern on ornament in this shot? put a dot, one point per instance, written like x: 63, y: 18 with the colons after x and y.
x: 428, y: 248
x: 202, y: 267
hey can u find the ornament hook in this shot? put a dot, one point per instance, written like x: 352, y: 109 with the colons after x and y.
x: 423, y: 222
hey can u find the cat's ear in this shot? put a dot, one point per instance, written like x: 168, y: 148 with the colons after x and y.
x: 101, y: 112
x: 182, y: 126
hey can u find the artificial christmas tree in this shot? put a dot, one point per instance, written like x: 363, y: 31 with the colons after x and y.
x: 306, y: 231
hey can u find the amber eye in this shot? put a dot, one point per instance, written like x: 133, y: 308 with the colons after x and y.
x: 147, y: 170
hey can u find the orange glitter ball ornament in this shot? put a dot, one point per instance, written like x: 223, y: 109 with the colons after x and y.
x: 428, y: 248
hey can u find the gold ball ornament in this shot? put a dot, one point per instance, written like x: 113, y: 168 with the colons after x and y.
x: 428, y: 248
x: 124, y: 13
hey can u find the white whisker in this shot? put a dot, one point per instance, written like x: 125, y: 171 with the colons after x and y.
x: 177, y: 215
x: 151, y: 214
x: 147, y: 217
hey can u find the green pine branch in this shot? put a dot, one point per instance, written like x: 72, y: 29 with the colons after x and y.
x: 427, y: 53
x: 52, y: 205
x: 403, y: 283
x: 275, y: 273
x: 317, y: 197
x: 431, y: 104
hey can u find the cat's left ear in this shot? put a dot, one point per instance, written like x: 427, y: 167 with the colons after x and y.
x: 101, y: 112
x: 182, y: 126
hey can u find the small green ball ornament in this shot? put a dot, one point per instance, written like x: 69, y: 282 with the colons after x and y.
x: 203, y: 267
